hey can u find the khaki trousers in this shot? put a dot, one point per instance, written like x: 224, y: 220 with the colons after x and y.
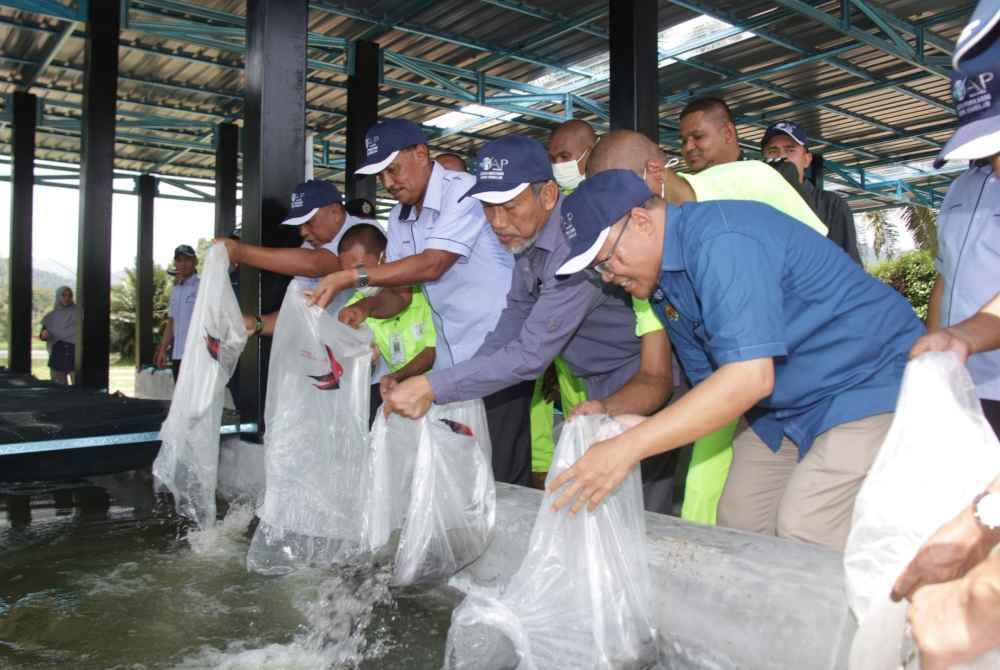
x: 812, y: 500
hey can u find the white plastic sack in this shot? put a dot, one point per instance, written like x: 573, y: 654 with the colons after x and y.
x: 188, y: 461
x: 392, y: 451
x: 452, y: 511
x: 939, y: 454
x: 582, y: 597
x: 315, y: 441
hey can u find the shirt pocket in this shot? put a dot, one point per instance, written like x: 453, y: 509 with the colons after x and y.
x: 990, y: 238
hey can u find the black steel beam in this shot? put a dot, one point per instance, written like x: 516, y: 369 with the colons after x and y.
x: 362, y: 113
x: 146, y: 186
x: 25, y: 114
x: 632, y: 42
x: 97, y: 151
x: 274, y: 121
x: 227, y: 141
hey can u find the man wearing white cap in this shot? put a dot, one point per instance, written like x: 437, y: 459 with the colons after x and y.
x: 968, y: 261
x: 443, y: 242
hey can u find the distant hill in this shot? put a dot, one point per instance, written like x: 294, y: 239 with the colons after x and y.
x: 41, y: 279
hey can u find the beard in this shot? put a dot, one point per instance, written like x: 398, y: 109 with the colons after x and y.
x: 521, y: 247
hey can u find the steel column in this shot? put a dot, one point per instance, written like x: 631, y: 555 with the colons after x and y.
x: 632, y: 42
x: 362, y: 113
x: 19, y: 266
x: 97, y: 151
x: 274, y: 143
x: 146, y: 186
x: 227, y: 140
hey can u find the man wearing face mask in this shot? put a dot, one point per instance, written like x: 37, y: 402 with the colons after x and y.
x: 591, y: 326
x: 569, y: 146
x: 813, y: 361
x: 444, y: 243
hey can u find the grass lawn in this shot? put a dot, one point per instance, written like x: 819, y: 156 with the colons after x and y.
x: 121, y: 376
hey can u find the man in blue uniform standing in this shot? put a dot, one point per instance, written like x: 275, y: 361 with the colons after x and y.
x: 772, y: 323
x: 444, y: 243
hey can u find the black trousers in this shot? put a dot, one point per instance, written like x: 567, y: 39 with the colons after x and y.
x: 175, y: 366
x: 508, y: 413
x: 991, y: 408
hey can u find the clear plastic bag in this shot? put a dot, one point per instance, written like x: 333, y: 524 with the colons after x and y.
x: 188, y: 461
x: 315, y: 442
x: 582, y: 597
x: 393, y: 450
x: 452, y: 508
x: 940, y: 452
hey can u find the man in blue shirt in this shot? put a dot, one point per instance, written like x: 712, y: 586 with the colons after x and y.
x: 182, y: 298
x: 771, y: 322
x: 444, y: 243
x: 590, y: 325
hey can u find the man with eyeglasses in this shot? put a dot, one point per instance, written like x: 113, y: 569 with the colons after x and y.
x: 592, y: 326
x: 772, y: 323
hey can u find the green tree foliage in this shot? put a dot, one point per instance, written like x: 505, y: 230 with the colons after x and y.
x: 884, y: 234
x: 124, y: 300
x: 913, y: 275
x: 922, y: 224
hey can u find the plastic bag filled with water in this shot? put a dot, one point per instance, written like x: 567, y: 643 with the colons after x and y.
x: 582, y: 597
x: 315, y: 441
x: 452, y: 509
x: 188, y: 461
x: 939, y: 454
x: 392, y: 451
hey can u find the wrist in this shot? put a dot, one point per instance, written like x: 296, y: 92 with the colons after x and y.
x: 258, y: 325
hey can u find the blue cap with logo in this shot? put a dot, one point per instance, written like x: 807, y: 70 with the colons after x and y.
x: 589, y: 212
x: 385, y: 140
x: 789, y: 128
x: 308, y: 197
x: 979, y: 33
x: 975, y: 88
x: 507, y: 166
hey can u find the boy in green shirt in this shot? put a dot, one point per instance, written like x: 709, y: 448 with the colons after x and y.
x: 405, y: 341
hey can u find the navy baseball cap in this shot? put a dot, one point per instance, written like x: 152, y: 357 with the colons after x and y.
x: 789, y: 128
x: 979, y: 33
x: 185, y: 250
x: 308, y: 197
x: 507, y: 166
x: 590, y: 211
x: 385, y: 140
x: 975, y: 89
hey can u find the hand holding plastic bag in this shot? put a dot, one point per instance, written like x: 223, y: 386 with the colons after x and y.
x: 316, y: 440
x: 188, y: 461
x: 939, y: 453
x: 582, y: 596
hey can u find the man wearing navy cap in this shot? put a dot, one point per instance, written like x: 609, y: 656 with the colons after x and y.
x: 182, y: 299
x: 317, y: 208
x: 439, y: 240
x: 788, y: 140
x: 968, y: 261
x: 772, y: 323
x: 591, y: 326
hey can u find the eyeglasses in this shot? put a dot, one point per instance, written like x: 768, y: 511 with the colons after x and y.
x: 601, y: 267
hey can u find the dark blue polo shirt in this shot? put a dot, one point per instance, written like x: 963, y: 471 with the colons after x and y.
x: 741, y: 280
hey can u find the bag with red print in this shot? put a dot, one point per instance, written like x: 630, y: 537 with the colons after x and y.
x: 319, y: 385
x: 188, y: 461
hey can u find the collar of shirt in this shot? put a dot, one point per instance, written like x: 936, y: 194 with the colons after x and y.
x: 432, y: 196
x: 193, y: 279
x: 673, y: 256
x: 552, y: 233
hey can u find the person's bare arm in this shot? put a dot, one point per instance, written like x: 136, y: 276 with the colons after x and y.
x: 934, y: 306
x: 725, y: 395
x: 160, y: 359
x: 979, y: 333
x: 386, y: 304
x: 268, y: 322
x: 285, y: 261
x: 427, y: 266
x: 649, y: 388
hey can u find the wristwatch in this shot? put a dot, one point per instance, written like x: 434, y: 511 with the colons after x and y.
x: 362, y: 280
x: 258, y: 325
x: 986, y: 508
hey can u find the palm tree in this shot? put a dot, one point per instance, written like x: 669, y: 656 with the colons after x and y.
x: 922, y: 224
x: 884, y: 233
x: 124, y: 298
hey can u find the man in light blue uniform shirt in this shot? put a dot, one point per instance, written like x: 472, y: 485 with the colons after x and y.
x: 771, y: 322
x: 181, y: 308
x: 444, y: 243
x: 968, y: 261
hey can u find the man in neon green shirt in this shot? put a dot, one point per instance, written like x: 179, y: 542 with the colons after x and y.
x: 740, y: 180
x: 405, y: 341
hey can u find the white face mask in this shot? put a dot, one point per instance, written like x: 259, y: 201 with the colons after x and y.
x: 567, y: 173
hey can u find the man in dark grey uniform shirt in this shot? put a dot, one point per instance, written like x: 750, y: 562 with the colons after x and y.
x: 788, y: 140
